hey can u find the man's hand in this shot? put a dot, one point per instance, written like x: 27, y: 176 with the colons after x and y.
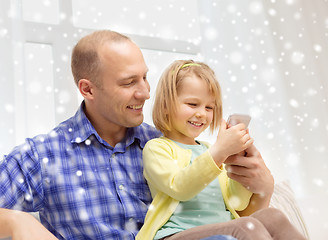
x: 22, y: 226
x: 253, y: 174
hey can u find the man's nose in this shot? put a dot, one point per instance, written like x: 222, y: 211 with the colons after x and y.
x: 143, y: 90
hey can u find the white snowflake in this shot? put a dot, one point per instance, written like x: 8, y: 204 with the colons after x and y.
x: 211, y: 33
x: 79, y: 173
x: 250, y: 226
x: 9, y: 108
x: 293, y: 159
x: 236, y: 57
x: 294, y: 103
x: 317, y: 48
x: 255, y: 7
x: 3, y: 32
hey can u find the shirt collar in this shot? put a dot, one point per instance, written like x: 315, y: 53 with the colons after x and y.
x: 83, y: 130
x: 133, y: 135
x: 137, y: 134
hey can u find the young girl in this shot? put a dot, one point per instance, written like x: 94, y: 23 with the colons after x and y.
x: 189, y: 185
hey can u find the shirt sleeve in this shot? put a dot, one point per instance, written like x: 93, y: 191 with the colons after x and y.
x: 20, y: 179
x: 173, y: 175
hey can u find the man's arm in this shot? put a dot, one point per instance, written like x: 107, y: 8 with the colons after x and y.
x: 22, y: 226
x: 253, y: 174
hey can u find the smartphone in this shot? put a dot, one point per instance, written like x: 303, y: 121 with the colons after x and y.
x: 234, y: 119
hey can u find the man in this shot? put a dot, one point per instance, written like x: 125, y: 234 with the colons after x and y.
x: 85, y: 177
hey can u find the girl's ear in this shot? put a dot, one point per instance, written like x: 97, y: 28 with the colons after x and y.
x: 166, y: 111
x: 86, y: 88
x: 165, y: 106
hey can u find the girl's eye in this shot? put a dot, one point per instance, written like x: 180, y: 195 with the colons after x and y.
x: 192, y: 104
x: 209, y: 107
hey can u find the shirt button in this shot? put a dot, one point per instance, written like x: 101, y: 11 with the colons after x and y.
x: 121, y: 187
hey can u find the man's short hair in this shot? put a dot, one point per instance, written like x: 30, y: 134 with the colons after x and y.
x: 85, y: 62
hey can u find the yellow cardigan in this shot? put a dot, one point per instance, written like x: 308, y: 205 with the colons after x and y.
x: 171, y: 179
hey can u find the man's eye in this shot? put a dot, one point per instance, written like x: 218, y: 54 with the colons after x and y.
x: 128, y: 83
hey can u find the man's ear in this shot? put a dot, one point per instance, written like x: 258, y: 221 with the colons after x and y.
x: 86, y: 88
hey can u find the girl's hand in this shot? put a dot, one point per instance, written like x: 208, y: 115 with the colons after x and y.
x: 230, y: 141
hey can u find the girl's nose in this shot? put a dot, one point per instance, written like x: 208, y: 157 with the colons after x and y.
x: 200, y: 112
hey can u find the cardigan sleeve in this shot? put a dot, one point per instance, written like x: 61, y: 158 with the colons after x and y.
x: 168, y: 170
x: 235, y: 195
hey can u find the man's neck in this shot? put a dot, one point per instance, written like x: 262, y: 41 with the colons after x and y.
x: 109, y: 132
x: 111, y: 137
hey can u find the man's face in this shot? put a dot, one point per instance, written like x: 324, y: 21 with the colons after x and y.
x: 124, y: 87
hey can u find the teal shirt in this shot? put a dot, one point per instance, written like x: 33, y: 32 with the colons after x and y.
x: 205, y: 208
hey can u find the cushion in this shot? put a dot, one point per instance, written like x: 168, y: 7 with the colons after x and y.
x: 283, y: 198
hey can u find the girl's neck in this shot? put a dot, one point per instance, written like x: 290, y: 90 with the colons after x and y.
x: 183, y: 141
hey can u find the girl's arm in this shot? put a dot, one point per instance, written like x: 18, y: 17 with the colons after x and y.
x: 167, y: 169
x: 257, y: 202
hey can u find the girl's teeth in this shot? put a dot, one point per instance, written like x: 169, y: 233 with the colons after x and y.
x: 196, y: 124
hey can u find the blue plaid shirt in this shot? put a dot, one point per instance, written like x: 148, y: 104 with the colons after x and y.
x: 82, y: 187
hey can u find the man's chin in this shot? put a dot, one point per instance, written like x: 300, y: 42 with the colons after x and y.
x: 135, y: 123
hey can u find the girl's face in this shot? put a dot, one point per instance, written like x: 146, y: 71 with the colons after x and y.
x: 194, y: 110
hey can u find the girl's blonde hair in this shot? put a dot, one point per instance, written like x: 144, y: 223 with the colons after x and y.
x: 165, y: 104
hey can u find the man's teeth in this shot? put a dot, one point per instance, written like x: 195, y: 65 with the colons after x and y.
x: 136, y: 107
x: 196, y: 124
